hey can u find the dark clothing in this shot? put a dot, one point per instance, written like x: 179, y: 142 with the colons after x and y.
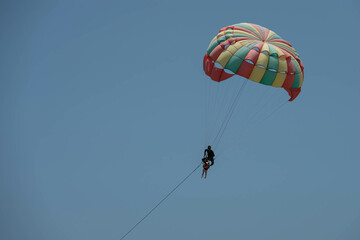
x: 209, y: 155
x: 212, y: 162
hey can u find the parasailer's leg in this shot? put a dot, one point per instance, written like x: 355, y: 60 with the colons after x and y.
x: 212, y: 161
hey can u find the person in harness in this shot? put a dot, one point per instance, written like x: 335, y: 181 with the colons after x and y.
x: 206, y: 167
x: 209, y: 155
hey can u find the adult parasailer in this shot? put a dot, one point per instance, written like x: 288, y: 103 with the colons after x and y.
x: 209, y: 155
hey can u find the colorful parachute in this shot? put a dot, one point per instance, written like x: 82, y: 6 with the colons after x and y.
x: 256, y: 53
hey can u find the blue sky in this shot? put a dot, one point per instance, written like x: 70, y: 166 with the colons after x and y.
x: 102, y: 114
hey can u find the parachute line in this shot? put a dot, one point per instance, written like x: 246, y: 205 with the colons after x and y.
x: 217, y: 106
x: 207, y: 109
x: 229, y: 115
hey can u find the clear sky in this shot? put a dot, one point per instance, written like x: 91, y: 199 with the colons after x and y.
x: 101, y: 115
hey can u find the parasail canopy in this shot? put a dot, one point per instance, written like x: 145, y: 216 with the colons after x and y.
x: 256, y: 53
